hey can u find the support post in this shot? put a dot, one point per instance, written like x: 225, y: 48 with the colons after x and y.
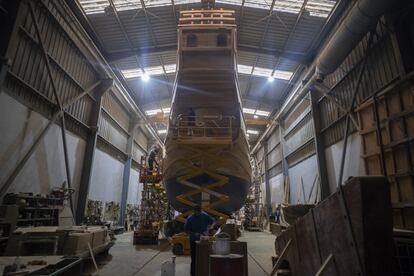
x: 267, y: 180
x: 320, y: 149
x: 90, y: 150
x: 127, y: 170
x: 285, y: 167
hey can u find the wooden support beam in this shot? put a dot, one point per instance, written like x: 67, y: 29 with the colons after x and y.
x: 281, y: 258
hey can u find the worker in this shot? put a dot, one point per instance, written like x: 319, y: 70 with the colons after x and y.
x: 196, y: 225
x: 152, y: 158
x: 191, y: 118
x: 278, y: 213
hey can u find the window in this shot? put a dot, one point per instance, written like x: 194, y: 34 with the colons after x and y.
x: 222, y: 40
x: 191, y: 40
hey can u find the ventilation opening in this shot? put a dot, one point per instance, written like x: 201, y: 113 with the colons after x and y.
x: 222, y: 40
x: 191, y: 40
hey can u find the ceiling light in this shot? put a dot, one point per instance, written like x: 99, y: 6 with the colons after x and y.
x: 145, y: 77
x: 162, y: 131
x: 256, y: 117
x: 252, y: 131
x: 270, y: 79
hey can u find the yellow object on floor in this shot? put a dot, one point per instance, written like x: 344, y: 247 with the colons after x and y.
x: 181, y: 244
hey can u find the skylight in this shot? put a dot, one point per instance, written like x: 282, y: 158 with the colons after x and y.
x: 318, y: 8
x: 132, y: 73
x: 152, y: 112
x: 166, y: 110
x: 284, y: 75
x: 262, y: 113
x: 150, y: 71
x: 162, y: 131
x: 242, y: 69
x: 264, y: 72
x: 252, y: 131
x: 257, y: 112
x: 248, y: 110
x: 170, y: 68
x: 98, y: 6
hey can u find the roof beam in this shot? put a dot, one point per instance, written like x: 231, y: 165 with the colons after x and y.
x: 301, y: 58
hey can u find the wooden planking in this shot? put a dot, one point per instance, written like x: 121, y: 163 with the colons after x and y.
x: 322, y: 232
x: 396, y: 113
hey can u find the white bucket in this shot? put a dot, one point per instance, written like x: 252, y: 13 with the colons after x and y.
x: 222, y: 244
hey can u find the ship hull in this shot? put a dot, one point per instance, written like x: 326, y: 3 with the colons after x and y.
x: 236, y: 189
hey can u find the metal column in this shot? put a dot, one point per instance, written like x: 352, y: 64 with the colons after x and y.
x: 127, y: 170
x: 90, y: 151
x: 267, y: 182
x: 320, y: 148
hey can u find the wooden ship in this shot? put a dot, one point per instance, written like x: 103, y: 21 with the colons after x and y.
x: 207, y: 152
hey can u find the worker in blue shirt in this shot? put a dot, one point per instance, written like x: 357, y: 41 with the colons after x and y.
x: 196, y: 225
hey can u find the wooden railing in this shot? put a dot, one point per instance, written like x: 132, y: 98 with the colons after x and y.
x: 202, y: 129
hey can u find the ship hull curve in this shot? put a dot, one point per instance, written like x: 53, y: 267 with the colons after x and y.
x: 236, y: 189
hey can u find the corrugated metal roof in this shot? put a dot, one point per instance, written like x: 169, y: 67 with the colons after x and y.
x: 284, y: 29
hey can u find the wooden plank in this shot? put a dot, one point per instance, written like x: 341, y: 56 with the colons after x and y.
x: 367, y: 199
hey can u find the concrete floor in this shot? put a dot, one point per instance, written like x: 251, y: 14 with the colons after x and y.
x: 127, y: 259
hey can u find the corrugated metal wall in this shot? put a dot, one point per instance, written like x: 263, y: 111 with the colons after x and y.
x: 381, y: 69
x: 298, y: 134
x: 75, y: 67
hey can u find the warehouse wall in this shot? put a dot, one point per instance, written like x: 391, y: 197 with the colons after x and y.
x: 277, y: 190
x: 106, y: 182
x: 46, y: 168
x: 353, y: 162
x: 135, y: 188
x: 27, y: 102
x: 297, y: 125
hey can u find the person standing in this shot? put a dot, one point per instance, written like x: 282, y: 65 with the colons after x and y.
x: 152, y: 158
x: 196, y: 225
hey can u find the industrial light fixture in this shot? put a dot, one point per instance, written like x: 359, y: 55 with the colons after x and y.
x: 162, y: 131
x: 252, y: 131
x: 270, y: 79
x: 145, y: 77
x: 256, y: 117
